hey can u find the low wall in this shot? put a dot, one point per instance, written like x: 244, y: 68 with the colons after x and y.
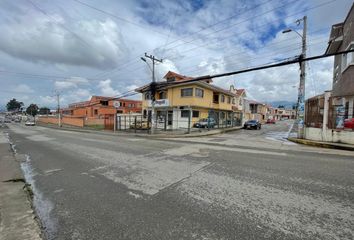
x: 329, y: 135
x: 94, y: 121
x: 78, y: 122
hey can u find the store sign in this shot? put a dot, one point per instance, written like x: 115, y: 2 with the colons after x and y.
x: 159, y: 103
x: 116, y: 104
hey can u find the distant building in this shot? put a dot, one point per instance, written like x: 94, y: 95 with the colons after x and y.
x: 99, y: 106
x: 255, y: 110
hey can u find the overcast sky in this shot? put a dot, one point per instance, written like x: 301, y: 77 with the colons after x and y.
x: 90, y: 47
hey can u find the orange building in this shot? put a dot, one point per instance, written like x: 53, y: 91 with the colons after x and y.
x: 99, y: 106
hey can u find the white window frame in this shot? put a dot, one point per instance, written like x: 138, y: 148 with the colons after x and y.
x: 345, y: 64
x: 200, y: 91
x: 182, y: 89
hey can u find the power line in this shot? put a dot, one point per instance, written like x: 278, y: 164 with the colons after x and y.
x: 225, y: 38
x: 218, y: 40
x: 194, y: 33
x: 47, y: 76
x: 286, y: 48
x: 60, y: 24
x: 284, y: 63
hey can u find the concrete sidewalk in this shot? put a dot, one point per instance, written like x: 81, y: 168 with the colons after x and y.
x: 340, y: 146
x: 17, y: 219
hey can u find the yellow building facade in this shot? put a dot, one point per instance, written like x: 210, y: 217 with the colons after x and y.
x: 182, y: 104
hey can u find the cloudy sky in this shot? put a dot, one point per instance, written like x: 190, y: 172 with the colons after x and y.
x: 89, y: 47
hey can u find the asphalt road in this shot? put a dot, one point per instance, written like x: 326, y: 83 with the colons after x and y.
x: 240, y: 185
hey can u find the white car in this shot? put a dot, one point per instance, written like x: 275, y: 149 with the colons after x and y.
x: 30, y: 123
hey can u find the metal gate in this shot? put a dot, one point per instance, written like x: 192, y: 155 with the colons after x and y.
x: 109, y: 122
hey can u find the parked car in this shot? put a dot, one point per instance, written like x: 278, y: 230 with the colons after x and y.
x: 349, y: 123
x: 252, y: 124
x: 30, y: 123
x: 270, y: 121
x: 205, y: 123
x: 17, y: 120
x: 7, y: 120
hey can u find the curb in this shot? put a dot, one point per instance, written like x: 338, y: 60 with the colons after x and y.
x: 102, y: 132
x: 322, y: 144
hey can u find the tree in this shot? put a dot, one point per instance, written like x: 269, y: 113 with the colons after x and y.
x: 32, y: 109
x: 281, y: 106
x: 14, y: 105
x: 44, y: 110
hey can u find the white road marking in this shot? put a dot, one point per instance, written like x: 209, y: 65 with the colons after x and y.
x: 39, y: 138
x: 51, y: 171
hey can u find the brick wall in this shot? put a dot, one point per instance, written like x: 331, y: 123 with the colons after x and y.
x: 72, y: 121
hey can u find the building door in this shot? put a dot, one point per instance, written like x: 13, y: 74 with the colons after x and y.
x: 346, y: 113
x: 169, y: 118
x: 109, y: 122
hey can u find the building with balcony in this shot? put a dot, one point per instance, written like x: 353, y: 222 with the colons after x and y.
x: 180, y: 104
x: 342, y: 39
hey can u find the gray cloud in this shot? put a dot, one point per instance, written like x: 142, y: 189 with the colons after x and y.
x: 46, y: 41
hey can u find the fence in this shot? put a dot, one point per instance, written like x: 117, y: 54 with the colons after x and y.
x: 178, y: 121
x: 314, y: 108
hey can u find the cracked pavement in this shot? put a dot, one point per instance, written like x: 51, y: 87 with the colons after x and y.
x: 239, y: 185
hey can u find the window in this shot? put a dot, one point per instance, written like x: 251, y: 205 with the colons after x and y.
x: 184, y: 113
x: 104, y: 103
x: 222, y: 98
x: 199, y: 92
x: 215, y: 98
x: 195, y: 114
x: 233, y: 101
x: 96, y: 111
x: 348, y: 58
x: 187, y: 92
x: 228, y: 100
x: 163, y: 95
x: 240, y: 102
x: 147, y: 96
x: 130, y: 105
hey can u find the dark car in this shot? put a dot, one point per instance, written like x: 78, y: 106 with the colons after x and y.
x: 252, y: 124
x: 205, y: 123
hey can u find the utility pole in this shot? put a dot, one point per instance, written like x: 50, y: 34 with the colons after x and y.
x: 300, y: 110
x: 301, y: 94
x: 57, y: 93
x: 152, y: 88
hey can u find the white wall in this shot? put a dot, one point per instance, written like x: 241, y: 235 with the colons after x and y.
x: 329, y: 135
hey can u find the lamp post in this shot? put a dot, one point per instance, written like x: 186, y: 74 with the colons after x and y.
x: 301, y: 92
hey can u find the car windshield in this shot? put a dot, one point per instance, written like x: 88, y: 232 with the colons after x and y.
x: 252, y: 121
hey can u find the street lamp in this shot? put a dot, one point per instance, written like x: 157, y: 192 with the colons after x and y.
x: 301, y: 91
